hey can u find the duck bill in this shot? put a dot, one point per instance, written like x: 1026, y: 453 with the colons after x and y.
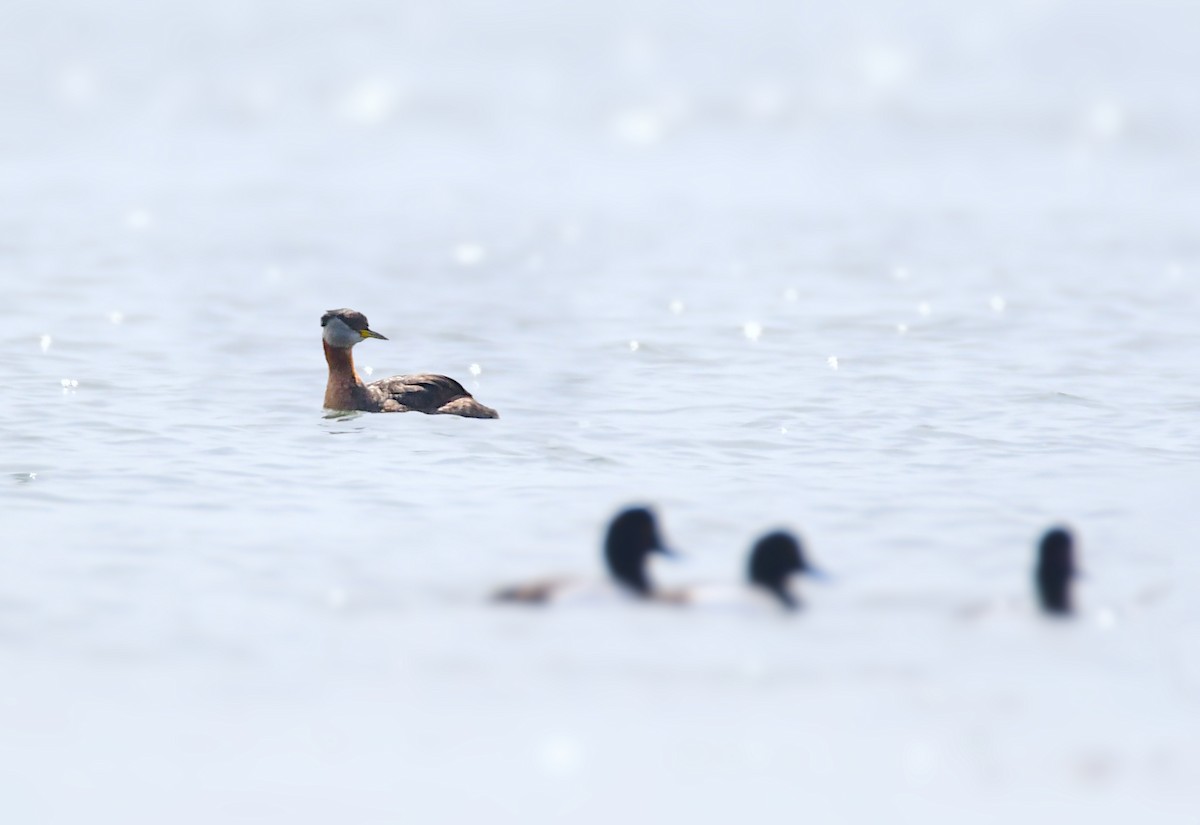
x: 370, y: 333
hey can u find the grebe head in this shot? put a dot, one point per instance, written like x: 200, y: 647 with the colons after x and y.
x: 774, y: 559
x: 343, y: 328
x: 1055, y: 570
x: 632, y: 537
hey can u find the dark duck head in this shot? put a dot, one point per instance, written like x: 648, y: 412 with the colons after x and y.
x: 774, y: 559
x: 1055, y: 571
x: 632, y: 537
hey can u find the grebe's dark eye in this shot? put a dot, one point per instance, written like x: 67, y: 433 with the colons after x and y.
x: 325, y: 319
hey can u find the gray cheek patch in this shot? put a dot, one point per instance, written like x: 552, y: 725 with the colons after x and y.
x: 337, y: 334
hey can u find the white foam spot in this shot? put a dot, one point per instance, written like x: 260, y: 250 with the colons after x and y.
x: 997, y: 303
x: 469, y: 254
x: 640, y: 127
x: 832, y: 361
x: 920, y: 761
x: 634, y: 346
x: 369, y: 102
x: 901, y: 273
x: 783, y: 430
x: 138, y: 220
x: 1106, y: 619
x: 791, y: 295
x: 1106, y: 120
x: 369, y: 370
x: 752, y: 330
x: 69, y: 384
x: 44, y: 342
x: 676, y: 307
x: 885, y: 68
x: 475, y: 370
x: 560, y: 756
x: 924, y: 309
x: 116, y: 317
x: 902, y: 329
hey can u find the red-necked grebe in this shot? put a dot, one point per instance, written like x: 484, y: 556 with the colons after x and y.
x: 341, y: 329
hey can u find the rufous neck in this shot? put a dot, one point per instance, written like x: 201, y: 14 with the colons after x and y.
x: 341, y: 365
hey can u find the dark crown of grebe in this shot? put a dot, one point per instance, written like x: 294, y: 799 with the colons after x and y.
x: 343, y: 328
x: 632, y: 537
x: 775, y: 558
x: 1055, y: 570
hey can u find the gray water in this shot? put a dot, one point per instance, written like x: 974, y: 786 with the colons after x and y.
x: 916, y: 280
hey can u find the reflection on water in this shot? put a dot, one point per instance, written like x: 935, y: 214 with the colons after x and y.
x: 343, y: 422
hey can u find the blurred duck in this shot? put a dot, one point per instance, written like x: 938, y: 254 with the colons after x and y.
x: 774, y: 559
x: 341, y: 330
x: 631, y: 539
x: 1055, y: 571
